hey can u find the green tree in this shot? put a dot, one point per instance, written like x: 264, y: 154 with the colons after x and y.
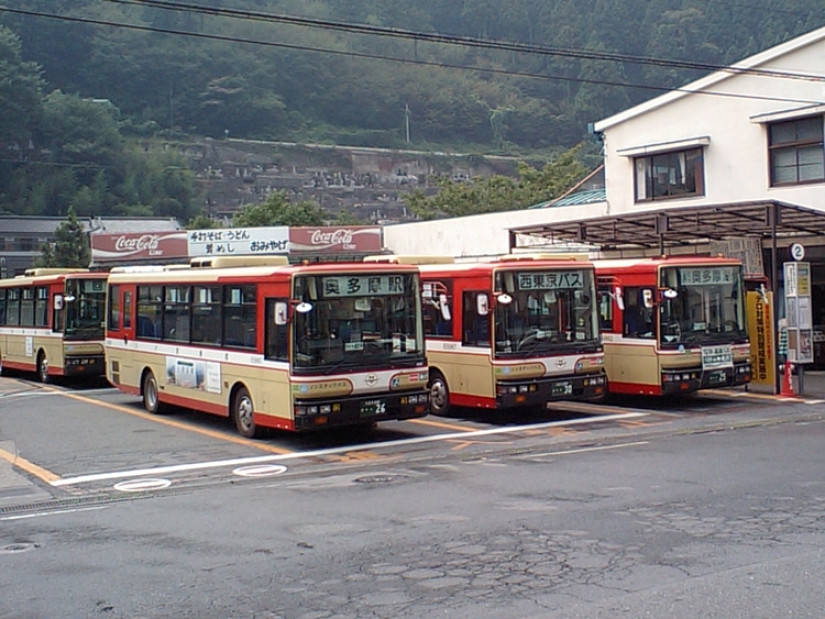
x: 20, y: 91
x: 500, y: 193
x: 276, y: 210
x: 71, y: 245
x: 202, y: 221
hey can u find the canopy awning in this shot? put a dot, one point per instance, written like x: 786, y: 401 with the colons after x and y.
x: 682, y: 227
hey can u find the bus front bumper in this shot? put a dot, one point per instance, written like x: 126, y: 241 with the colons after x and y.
x: 352, y: 411
x: 688, y: 381
x: 84, y: 365
x: 537, y: 392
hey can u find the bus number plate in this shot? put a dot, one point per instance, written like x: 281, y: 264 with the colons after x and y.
x: 565, y: 388
x: 373, y: 407
x: 717, y: 377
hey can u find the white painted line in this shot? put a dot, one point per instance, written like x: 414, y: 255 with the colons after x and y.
x: 139, y: 485
x: 550, y: 454
x: 260, y: 470
x: 179, y: 468
x: 26, y: 394
x: 56, y: 512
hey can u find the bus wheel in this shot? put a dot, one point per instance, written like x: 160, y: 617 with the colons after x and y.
x: 43, y: 368
x: 439, y: 394
x: 243, y: 414
x: 151, y: 402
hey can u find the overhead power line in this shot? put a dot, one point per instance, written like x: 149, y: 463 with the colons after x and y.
x: 465, y: 41
x: 352, y: 54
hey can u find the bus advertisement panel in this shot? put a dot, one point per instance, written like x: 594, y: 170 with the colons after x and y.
x: 291, y: 347
x: 52, y: 322
x: 673, y: 325
x: 515, y: 332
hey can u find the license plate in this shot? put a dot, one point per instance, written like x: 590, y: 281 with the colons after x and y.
x: 718, y: 377
x: 373, y: 407
x: 562, y: 389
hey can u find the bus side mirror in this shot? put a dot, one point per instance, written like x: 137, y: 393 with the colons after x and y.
x: 281, y: 313
x: 445, y: 307
x: 647, y: 298
x: 58, y: 302
x: 482, y: 305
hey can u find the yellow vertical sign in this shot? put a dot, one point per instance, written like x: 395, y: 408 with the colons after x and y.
x: 760, y: 333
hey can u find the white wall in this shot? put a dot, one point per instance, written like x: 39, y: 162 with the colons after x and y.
x: 476, y: 235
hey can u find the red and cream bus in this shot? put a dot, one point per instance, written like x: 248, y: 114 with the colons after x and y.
x: 673, y: 325
x: 268, y: 344
x: 518, y: 331
x: 52, y: 322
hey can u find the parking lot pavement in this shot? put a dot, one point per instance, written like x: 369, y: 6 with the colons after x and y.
x: 15, y: 488
x: 21, y: 481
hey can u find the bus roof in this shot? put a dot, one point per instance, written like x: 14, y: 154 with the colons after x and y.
x: 45, y: 271
x: 410, y: 259
x: 642, y: 264
x: 49, y: 276
x: 488, y: 267
x: 253, y: 273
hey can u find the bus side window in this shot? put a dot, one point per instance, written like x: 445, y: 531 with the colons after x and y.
x: 605, y: 310
x: 275, y: 334
x: 639, y: 321
x: 114, y: 308
x: 127, y: 309
x: 476, y: 328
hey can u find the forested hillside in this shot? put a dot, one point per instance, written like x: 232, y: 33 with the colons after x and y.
x: 263, y: 79
x: 81, y: 78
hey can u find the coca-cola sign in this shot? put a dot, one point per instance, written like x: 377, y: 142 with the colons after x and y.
x: 130, y: 247
x: 335, y: 240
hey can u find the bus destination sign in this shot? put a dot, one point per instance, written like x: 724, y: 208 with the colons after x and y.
x: 707, y: 276
x: 550, y: 280
x: 363, y: 285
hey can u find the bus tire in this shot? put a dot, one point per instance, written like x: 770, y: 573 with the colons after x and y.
x: 151, y: 399
x: 439, y: 394
x: 1, y: 367
x: 243, y: 414
x: 43, y: 368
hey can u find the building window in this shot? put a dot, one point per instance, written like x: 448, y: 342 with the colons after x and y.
x: 670, y: 175
x: 797, y: 154
x: 26, y: 244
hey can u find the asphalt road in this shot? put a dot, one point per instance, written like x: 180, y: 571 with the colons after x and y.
x: 708, y: 508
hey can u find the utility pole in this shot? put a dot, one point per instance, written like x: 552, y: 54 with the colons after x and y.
x: 407, y: 121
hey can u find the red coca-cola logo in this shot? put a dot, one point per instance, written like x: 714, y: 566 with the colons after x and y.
x: 335, y: 237
x: 141, y: 243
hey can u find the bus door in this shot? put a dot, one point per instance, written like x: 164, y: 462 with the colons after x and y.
x: 475, y: 368
x: 120, y: 325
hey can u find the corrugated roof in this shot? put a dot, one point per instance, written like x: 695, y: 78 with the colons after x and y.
x: 589, y: 196
x: 29, y: 225
x: 15, y: 225
x: 118, y: 225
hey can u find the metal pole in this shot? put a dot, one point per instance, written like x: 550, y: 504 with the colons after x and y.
x: 773, y: 213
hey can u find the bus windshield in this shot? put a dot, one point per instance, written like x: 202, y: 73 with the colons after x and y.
x: 85, y: 304
x: 540, y: 312
x: 701, y: 305
x: 357, y: 320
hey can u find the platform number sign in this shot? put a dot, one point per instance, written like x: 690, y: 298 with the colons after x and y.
x: 797, y: 251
